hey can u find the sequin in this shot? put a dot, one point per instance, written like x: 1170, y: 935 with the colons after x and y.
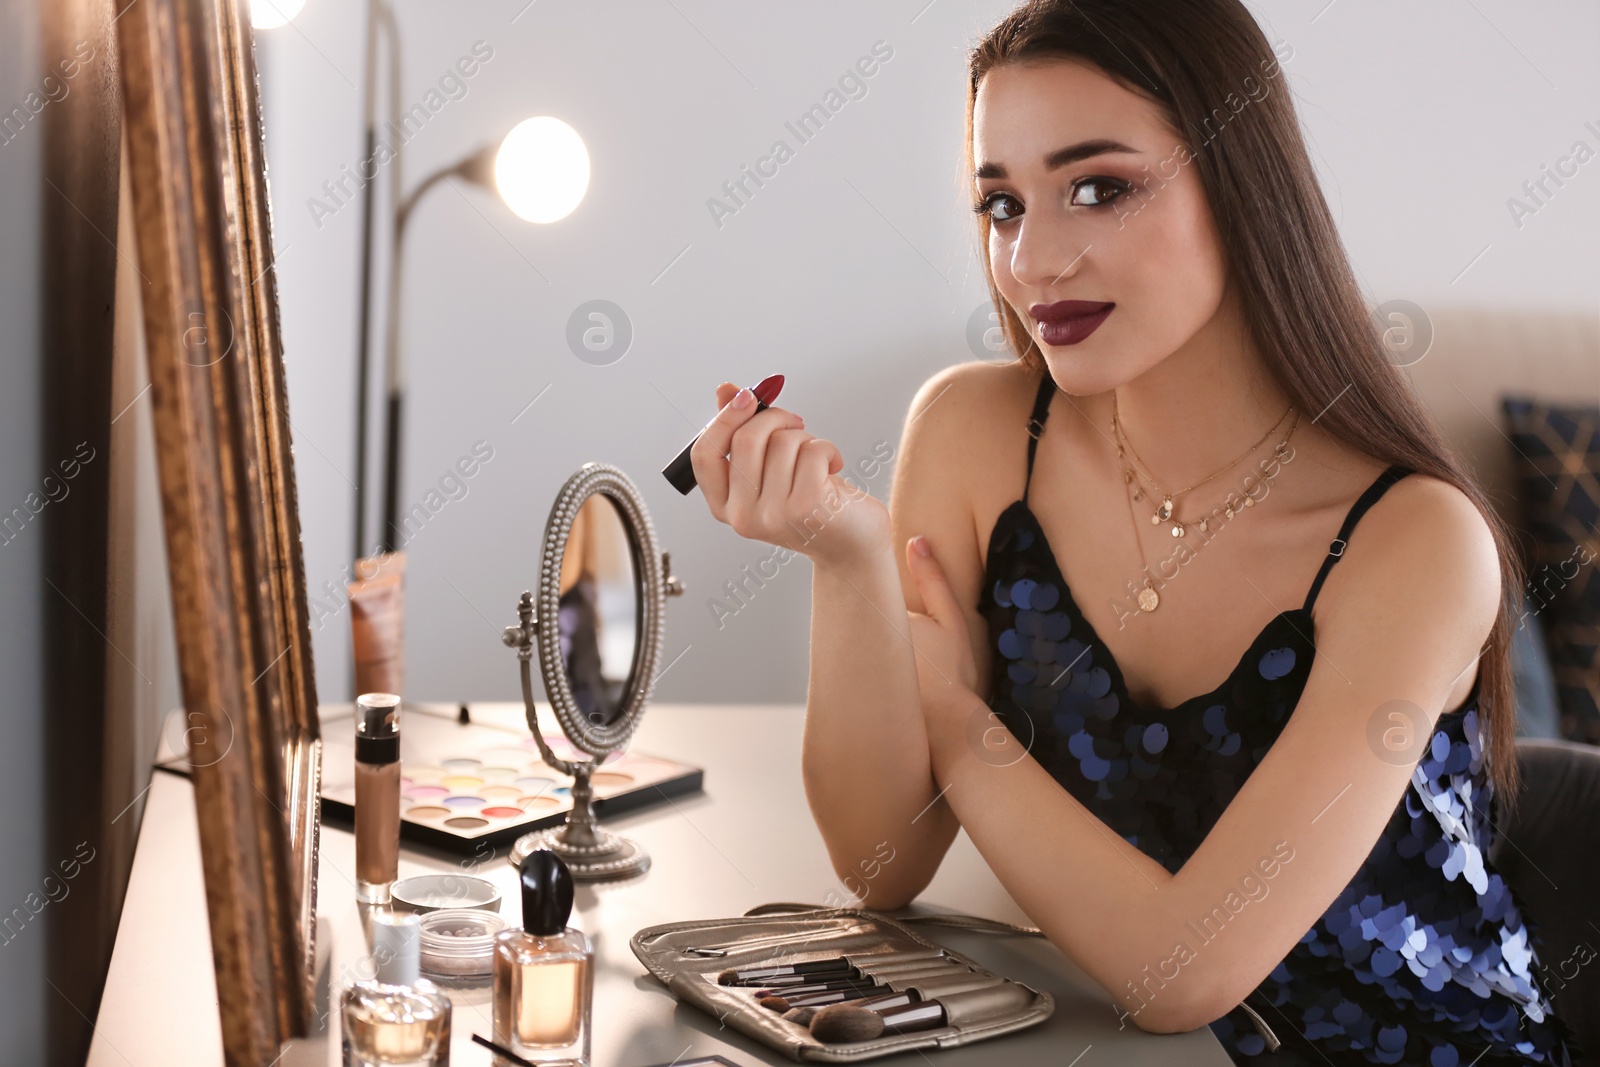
x: 1276, y: 662
x: 1424, y: 958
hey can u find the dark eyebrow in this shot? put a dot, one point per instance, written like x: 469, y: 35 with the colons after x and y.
x: 1062, y: 157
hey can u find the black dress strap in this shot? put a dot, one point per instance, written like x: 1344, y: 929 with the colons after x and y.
x: 1041, y: 411
x: 1336, y: 550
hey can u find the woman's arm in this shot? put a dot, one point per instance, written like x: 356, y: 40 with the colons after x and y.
x: 864, y: 759
x: 1403, y: 618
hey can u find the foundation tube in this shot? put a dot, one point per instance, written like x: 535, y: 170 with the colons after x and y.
x: 377, y: 796
x: 377, y: 623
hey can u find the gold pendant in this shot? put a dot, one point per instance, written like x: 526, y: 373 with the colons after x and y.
x: 1164, y: 512
x: 1177, y: 531
x: 1249, y: 501
x: 1148, y: 600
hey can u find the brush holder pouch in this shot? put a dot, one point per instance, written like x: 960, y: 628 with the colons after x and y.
x: 689, y: 956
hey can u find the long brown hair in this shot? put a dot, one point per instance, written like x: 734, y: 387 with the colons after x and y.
x: 1198, y: 60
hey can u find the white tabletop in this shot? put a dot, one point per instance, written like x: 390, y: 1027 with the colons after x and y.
x: 747, y: 840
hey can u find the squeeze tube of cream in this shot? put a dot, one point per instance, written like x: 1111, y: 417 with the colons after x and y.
x: 377, y: 623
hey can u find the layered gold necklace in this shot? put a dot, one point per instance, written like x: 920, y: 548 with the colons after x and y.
x: 1138, y: 479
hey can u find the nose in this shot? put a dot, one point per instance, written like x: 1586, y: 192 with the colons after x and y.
x: 1045, y: 251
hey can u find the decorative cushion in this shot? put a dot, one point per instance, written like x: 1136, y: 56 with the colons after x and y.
x: 1538, y: 707
x: 1557, y: 457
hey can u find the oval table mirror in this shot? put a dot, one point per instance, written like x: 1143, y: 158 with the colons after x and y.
x: 597, y: 627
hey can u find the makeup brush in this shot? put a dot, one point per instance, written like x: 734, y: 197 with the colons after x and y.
x: 510, y: 1057
x: 765, y: 975
x: 839, y: 1023
x: 926, y: 983
x: 803, y: 988
x: 822, y: 1000
x: 802, y: 1016
x: 940, y: 973
x: 793, y: 981
x: 783, y: 1004
x: 680, y: 472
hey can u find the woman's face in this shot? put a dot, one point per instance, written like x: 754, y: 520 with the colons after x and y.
x: 1091, y: 197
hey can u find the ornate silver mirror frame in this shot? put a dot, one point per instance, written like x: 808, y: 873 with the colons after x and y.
x: 591, y: 852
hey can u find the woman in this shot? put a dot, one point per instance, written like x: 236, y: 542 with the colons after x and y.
x: 1297, y: 854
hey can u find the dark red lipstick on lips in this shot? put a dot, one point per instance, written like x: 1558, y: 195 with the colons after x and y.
x: 680, y: 472
x: 1066, y: 322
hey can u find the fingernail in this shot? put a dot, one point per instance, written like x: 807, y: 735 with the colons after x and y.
x: 743, y: 398
x: 919, y: 544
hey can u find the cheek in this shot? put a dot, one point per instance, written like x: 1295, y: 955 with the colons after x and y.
x: 1174, y: 265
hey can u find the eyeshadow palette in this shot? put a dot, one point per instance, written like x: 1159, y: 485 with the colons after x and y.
x: 466, y: 783
x: 463, y: 784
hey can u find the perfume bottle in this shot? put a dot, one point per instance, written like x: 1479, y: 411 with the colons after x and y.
x: 395, y: 1019
x: 377, y: 796
x: 544, y: 971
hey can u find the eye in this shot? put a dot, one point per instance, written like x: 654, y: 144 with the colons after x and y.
x: 1101, y: 191
x: 1000, y: 207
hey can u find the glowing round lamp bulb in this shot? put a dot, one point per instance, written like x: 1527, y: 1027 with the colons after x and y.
x: 270, y: 14
x: 542, y: 169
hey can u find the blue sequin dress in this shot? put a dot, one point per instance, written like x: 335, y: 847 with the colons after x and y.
x: 1424, y: 958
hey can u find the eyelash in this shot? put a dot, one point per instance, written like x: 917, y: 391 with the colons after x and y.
x: 985, y: 206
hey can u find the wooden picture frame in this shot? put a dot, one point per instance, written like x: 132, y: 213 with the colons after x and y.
x: 202, y: 220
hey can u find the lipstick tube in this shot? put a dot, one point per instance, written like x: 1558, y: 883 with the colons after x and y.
x: 680, y: 472
x: 377, y: 796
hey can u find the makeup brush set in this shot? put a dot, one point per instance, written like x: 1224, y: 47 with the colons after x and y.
x: 836, y: 984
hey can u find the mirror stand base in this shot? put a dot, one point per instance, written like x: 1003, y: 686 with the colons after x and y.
x: 612, y: 857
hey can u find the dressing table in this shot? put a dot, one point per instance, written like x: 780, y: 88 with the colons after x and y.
x: 748, y: 839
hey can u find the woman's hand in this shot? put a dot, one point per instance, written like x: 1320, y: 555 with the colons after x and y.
x: 947, y: 675
x: 765, y: 476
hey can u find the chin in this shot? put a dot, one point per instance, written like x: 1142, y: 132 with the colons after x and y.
x: 1080, y: 371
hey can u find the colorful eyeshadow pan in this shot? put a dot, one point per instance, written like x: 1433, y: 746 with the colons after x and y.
x: 501, y: 785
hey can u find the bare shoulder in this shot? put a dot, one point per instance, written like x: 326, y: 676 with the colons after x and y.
x: 962, y: 452
x: 1423, y: 522
x: 1423, y: 569
x: 957, y: 412
x: 966, y: 432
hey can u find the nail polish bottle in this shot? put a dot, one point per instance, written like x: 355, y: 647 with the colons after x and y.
x: 397, y: 1018
x: 377, y: 796
x: 544, y: 971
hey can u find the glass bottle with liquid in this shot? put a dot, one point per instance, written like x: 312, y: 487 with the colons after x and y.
x: 544, y: 971
x: 377, y: 796
x: 397, y: 1018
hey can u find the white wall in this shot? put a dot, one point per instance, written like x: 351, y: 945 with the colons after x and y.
x: 852, y: 271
